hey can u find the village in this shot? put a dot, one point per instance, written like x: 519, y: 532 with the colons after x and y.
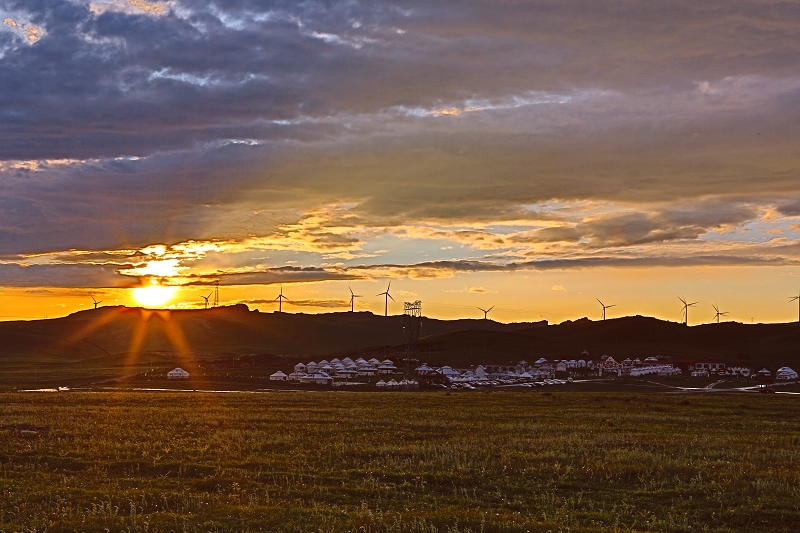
x: 410, y: 374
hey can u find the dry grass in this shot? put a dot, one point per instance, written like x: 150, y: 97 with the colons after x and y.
x: 398, y: 462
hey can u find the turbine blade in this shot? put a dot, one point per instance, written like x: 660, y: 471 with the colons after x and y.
x: 390, y: 296
x: 351, y: 290
x: 610, y: 306
x: 492, y: 307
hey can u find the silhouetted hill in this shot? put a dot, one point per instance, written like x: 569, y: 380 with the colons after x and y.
x: 109, y: 333
x: 233, y: 330
x: 772, y: 345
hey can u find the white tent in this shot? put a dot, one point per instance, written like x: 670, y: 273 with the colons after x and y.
x: 177, y: 373
x: 447, y: 371
x: 317, y: 378
x: 278, y: 376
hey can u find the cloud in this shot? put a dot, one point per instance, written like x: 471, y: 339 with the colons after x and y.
x: 534, y: 131
x: 441, y: 269
x: 558, y: 288
x: 309, y: 302
x: 76, y: 276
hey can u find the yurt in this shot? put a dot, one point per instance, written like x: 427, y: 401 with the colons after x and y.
x: 278, y: 376
x: 177, y: 373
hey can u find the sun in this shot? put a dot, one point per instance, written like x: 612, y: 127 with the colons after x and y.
x: 154, y: 295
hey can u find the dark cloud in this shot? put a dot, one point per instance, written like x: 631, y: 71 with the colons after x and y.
x: 675, y: 223
x: 73, y: 276
x: 275, y: 276
x: 789, y: 208
x: 179, y: 125
x: 309, y: 302
x: 433, y: 269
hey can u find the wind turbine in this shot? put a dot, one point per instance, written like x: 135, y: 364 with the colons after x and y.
x: 206, y: 298
x: 353, y: 299
x: 96, y: 303
x: 686, y: 307
x: 486, y: 312
x: 605, y: 307
x: 798, y: 305
x: 386, y: 293
x: 719, y: 313
x: 280, y: 299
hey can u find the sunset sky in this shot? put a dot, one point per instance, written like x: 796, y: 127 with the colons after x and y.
x: 533, y: 155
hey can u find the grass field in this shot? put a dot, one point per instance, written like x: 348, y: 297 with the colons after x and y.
x: 382, y: 462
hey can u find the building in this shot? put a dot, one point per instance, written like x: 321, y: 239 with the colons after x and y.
x: 785, y: 373
x: 712, y: 367
x: 317, y: 378
x: 177, y: 373
x: 741, y: 371
x: 279, y: 376
x: 500, y: 368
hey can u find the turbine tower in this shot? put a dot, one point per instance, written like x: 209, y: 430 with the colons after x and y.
x: 206, y: 299
x: 280, y: 299
x: 719, y: 313
x: 605, y: 307
x: 386, y: 293
x: 486, y: 312
x: 353, y: 299
x: 96, y: 303
x: 798, y: 305
x: 686, y: 307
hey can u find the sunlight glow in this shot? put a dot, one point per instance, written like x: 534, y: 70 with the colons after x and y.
x: 154, y: 295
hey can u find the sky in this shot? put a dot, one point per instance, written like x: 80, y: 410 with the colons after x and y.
x: 534, y: 156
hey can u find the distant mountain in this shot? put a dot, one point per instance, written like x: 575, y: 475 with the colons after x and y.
x: 110, y: 332
x: 230, y: 330
x: 770, y: 345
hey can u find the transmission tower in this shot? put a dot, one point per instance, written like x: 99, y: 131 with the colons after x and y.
x: 412, y: 322
x: 216, y: 294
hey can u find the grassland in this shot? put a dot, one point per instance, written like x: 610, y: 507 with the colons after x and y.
x: 399, y: 462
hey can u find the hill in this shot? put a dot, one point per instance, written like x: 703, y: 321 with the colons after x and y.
x: 229, y: 330
x: 112, y: 341
x: 770, y: 345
